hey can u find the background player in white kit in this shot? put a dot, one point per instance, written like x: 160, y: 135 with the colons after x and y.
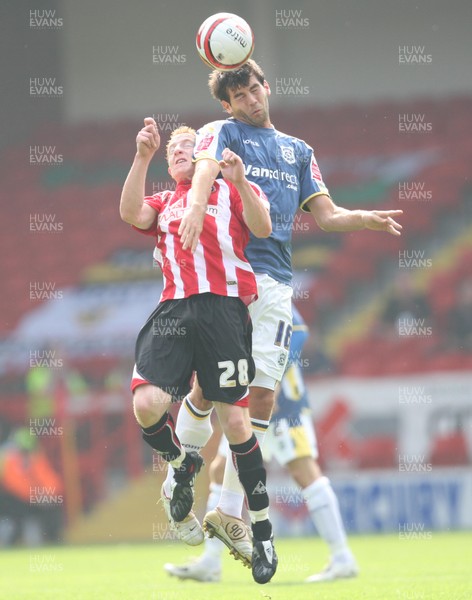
x: 286, y: 169
x: 201, y: 325
x: 291, y: 440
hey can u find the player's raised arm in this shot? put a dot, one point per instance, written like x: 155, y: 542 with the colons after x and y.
x: 255, y: 210
x: 191, y: 226
x: 330, y: 217
x: 133, y: 210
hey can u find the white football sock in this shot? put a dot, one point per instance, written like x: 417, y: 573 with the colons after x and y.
x: 326, y: 516
x: 175, y: 464
x: 213, y: 546
x: 258, y: 515
x: 193, y: 428
x: 232, y: 493
x: 260, y: 427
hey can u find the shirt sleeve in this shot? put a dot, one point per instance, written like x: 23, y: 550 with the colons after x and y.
x: 211, y: 141
x: 154, y: 202
x: 311, y: 180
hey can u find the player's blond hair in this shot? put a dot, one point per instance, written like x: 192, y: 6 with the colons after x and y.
x: 179, y: 131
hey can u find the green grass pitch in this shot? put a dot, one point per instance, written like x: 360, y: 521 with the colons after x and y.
x: 392, y: 568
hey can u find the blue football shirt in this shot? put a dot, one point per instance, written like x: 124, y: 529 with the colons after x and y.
x: 286, y: 170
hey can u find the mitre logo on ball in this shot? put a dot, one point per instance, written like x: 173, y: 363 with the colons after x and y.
x: 225, y: 42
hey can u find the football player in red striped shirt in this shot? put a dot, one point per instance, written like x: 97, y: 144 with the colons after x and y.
x: 201, y: 324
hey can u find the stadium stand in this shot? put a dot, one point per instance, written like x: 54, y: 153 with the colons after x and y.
x: 363, y: 156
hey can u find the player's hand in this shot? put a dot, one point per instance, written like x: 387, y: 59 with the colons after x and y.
x: 382, y: 220
x: 191, y: 226
x: 148, y: 139
x: 232, y: 167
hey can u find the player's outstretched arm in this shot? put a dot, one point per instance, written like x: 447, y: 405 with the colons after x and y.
x: 255, y: 210
x: 330, y: 217
x: 132, y: 207
x: 191, y: 225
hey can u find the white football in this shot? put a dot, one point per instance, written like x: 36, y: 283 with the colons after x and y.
x: 225, y: 42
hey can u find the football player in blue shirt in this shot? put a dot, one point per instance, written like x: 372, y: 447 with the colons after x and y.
x: 287, y: 171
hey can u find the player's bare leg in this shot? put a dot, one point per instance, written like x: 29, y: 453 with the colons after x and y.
x: 261, y: 403
x: 324, y: 511
x: 196, y: 396
x: 151, y: 405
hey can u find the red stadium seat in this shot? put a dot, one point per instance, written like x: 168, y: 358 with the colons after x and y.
x: 377, y: 453
x: 450, y: 450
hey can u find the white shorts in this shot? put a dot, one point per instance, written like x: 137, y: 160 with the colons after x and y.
x: 271, y: 316
x: 284, y: 442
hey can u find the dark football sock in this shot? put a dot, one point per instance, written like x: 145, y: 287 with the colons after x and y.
x: 251, y: 472
x: 262, y: 530
x: 162, y: 438
x: 186, y: 470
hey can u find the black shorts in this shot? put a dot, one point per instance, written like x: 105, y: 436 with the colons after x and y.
x: 205, y: 333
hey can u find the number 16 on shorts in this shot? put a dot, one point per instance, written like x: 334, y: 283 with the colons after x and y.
x: 282, y: 340
x: 283, y: 335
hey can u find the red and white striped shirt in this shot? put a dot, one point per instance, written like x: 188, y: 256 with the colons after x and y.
x: 218, y: 264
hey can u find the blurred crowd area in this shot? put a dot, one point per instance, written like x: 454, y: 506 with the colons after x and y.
x: 376, y: 306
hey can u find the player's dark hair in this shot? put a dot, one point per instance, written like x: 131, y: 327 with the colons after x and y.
x: 222, y: 81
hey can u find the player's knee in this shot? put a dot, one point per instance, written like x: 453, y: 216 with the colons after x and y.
x: 142, y: 409
x: 236, y: 428
x: 261, y: 403
x: 304, y: 470
x: 147, y: 411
